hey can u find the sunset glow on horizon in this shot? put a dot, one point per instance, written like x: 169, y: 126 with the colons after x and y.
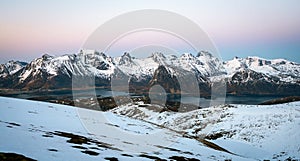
x: 269, y: 29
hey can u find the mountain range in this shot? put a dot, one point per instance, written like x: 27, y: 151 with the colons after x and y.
x: 243, y: 76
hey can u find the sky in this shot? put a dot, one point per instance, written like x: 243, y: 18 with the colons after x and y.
x: 264, y: 28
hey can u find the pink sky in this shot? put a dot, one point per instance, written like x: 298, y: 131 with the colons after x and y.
x: 268, y: 29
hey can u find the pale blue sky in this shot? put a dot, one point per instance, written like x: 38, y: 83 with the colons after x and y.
x: 265, y: 28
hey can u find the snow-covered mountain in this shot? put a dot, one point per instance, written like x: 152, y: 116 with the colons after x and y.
x: 203, y: 63
x: 284, y: 70
x: 45, y: 72
x: 254, y: 75
x: 251, y: 75
x: 85, y: 63
x: 57, y: 72
x: 11, y: 68
x: 8, y: 70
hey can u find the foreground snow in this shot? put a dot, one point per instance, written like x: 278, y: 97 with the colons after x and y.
x: 46, y: 131
x: 252, y: 131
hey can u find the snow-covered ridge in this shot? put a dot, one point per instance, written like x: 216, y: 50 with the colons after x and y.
x: 203, y: 63
x: 91, y: 62
x: 86, y: 62
x: 255, y: 131
x: 49, y: 70
x: 285, y: 70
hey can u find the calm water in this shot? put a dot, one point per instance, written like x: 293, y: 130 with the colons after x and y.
x: 70, y: 93
x: 251, y: 100
x: 248, y: 100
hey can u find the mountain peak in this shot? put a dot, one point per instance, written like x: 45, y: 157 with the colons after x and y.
x: 87, y: 51
x: 11, y: 67
x: 158, y: 54
x: 254, y: 58
x: 204, y: 53
x: 158, y: 57
x: 42, y: 71
x: 125, y: 59
x: 47, y: 57
x: 189, y: 55
x: 126, y: 54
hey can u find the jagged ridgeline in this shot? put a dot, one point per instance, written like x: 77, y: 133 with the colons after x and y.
x: 251, y: 75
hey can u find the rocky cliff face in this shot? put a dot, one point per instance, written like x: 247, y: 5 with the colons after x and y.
x: 164, y: 78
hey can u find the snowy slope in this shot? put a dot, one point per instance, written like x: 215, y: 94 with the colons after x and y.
x: 259, y: 132
x: 46, y: 131
x: 273, y: 128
